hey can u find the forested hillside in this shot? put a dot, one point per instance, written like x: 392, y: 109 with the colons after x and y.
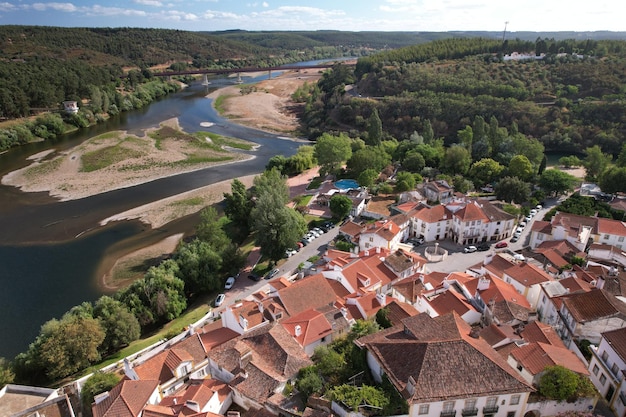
x: 570, y: 99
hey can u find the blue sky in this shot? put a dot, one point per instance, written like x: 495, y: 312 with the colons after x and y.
x: 348, y: 15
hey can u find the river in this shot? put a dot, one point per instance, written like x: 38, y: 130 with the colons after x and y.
x: 46, y: 269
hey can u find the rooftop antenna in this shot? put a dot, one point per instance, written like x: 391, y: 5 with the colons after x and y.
x: 504, y: 33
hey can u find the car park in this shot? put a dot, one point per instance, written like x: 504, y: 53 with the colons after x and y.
x: 219, y: 300
x: 501, y: 245
x: 229, y: 283
x: 470, y: 249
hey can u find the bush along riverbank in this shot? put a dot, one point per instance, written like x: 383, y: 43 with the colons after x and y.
x: 103, y: 103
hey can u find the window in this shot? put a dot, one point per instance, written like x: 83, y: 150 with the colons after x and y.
x: 510, y: 414
x: 471, y: 403
x: 620, y: 239
x: 605, y: 356
x: 448, y: 406
x: 423, y: 409
x: 606, y: 237
x: 491, y: 402
x: 515, y: 399
x: 614, y: 369
x: 595, y: 370
x: 602, y: 379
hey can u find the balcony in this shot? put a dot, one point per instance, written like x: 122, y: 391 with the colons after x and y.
x: 448, y: 413
x: 466, y: 412
x: 490, y: 409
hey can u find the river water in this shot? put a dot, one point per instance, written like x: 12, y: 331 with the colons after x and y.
x: 45, y: 269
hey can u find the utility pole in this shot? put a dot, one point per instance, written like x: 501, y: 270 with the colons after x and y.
x: 504, y: 33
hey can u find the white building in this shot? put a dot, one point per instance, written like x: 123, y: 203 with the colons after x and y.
x: 607, y: 368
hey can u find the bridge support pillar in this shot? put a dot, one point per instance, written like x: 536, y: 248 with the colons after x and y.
x: 270, y: 75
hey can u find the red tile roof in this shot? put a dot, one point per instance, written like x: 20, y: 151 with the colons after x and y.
x: 432, y: 214
x: 617, y: 340
x: 126, y: 399
x: 535, y: 357
x: 308, y: 327
x: 471, y: 212
x: 443, y: 360
x: 527, y: 274
x: 612, y: 227
x: 311, y: 292
x: 536, y: 331
x: 450, y: 301
x: 594, y: 305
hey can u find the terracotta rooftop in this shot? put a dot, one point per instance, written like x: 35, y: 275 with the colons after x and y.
x: 311, y: 292
x: 492, y: 212
x: 411, y: 288
x: 351, y: 228
x: 126, y: 399
x: 610, y: 226
x: 162, y: 366
x: 450, y: 301
x: 495, y: 335
x: 527, y: 274
x: 536, y: 331
x: 308, y: 327
x: 535, y: 357
x: 617, y: 340
x: 573, y: 223
x: 443, y: 360
x: 471, y: 212
x: 397, y: 311
x: 432, y: 214
x: 594, y: 305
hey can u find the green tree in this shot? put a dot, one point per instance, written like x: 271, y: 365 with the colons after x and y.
x: 277, y: 227
x: 340, y: 206
x: 405, y: 181
x: 558, y: 383
x: 433, y: 153
x: 309, y: 381
x: 457, y: 160
x: 595, y: 162
x: 466, y: 137
x: 570, y: 161
x: 512, y: 189
x: 6, y: 373
x: 69, y: 345
x: 273, y: 182
x: 374, y: 129
x: 521, y: 168
x: 200, y: 267
x: 621, y: 159
x: 367, y: 178
x: 237, y: 206
x: 354, y: 396
x: 369, y: 157
x: 96, y: 384
x: 485, y: 171
x: 413, y: 162
x: 542, y: 165
x: 554, y: 181
x: 210, y: 230
x: 613, y: 180
x: 120, y: 326
x: 330, y: 363
x: 331, y: 152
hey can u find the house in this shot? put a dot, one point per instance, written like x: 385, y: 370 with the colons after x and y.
x: 127, y: 399
x: 498, y: 301
x: 441, y: 370
x: 527, y: 279
x: 70, y: 106
x: 465, y: 221
x: 541, y: 347
x: 310, y: 329
x: 26, y: 401
x: 258, y: 364
x: 586, y: 315
x: 242, y: 316
x: 608, y: 366
x: 452, y: 300
x: 172, y: 366
x: 381, y: 234
x: 438, y: 190
x: 207, y: 396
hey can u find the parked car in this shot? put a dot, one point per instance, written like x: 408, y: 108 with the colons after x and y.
x: 254, y: 277
x: 318, y: 230
x: 533, y: 212
x: 470, y: 249
x: 290, y: 252
x: 538, y: 206
x: 229, y: 283
x: 219, y: 300
x: 501, y: 245
x: 272, y: 273
x: 483, y: 247
x: 327, y: 226
x: 313, y: 233
x: 528, y: 218
x: 515, y: 238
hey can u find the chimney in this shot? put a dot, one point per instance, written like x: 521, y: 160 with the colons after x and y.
x: 193, y: 405
x: 377, y: 249
x: 298, y: 330
x: 382, y: 299
x: 101, y: 397
x: 129, y: 371
x: 483, y: 283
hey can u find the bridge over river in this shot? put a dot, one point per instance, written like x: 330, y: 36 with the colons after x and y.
x: 200, y: 71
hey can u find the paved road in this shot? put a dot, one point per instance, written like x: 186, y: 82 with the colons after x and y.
x: 244, y: 287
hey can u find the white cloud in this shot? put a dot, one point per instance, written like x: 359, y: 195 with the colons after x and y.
x: 63, y: 7
x: 113, y: 11
x: 266, y: 4
x: 7, y: 7
x: 154, y: 3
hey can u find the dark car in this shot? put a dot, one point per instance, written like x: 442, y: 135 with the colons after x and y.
x: 483, y: 247
x: 254, y: 277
